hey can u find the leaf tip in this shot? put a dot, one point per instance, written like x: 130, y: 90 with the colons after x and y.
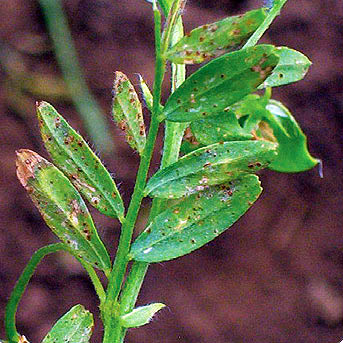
x: 26, y: 162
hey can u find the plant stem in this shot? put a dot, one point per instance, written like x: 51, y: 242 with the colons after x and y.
x: 66, y: 56
x: 19, y: 288
x: 172, y: 142
x: 273, y: 13
x: 112, y: 325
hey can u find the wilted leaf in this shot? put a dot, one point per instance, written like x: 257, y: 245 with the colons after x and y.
x: 140, y: 315
x: 217, y: 38
x: 62, y: 207
x: 220, y: 83
x: 73, y: 156
x: 211, y: 165
x: 195, y: 220
x: 75, y: 326
x: 292, y: 67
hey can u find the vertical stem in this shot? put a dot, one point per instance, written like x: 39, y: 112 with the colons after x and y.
x: 112, y: 325
x: 172, y: 142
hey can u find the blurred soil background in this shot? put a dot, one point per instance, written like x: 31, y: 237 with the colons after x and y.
x: 276, y: 276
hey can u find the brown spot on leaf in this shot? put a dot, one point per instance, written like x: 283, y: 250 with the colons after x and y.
x: 26, y: 163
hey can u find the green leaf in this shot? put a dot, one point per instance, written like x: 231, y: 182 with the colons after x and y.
x: 62, y: 207
x: 293, y: 155
x: 222, y: 128
x: 292, y: 67
x: 211, y: 165
x: 127, y: 112
x: 220, y: 83
x: 217, y: 38
x: 140, y: 315
x: 72, y: 155
x: 75, y: 326
x: 148, y: 98
x: 195, y: 220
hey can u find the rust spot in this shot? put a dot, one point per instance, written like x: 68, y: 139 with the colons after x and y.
x: 87, y: 234
x: 176, y: 211
x: 142, y: 129
x: 207, y: 164
x: 80, y: 144
x: 201, y: 38
x: 122, y: 125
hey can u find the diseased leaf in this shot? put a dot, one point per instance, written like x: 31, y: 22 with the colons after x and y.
x: 211, y: 165
x: 195, y: 220
x: 75, y: 326
x: 292, y: 67
x: 293, y: 155
x: 220, y: 83
x: 62, y: 207
x: 127, y: 112
x: 222, y: 128
x: 140, y: 315
x: 217, y: 38
x: 70, y: 153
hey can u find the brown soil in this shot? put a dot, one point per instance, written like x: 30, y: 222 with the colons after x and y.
x: 277, y: 276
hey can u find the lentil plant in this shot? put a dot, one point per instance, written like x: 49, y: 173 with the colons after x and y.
x: 221, y: 127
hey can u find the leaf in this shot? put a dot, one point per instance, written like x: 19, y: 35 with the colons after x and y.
x: 220, y: 83
x: 73, y: 156
x: 140, y: 315
x: 75, y: 326
x: 127, y: 112
x: 217, y: 38
x: 148, y: 98
x: 196, y: 220
x: 211, y: 165
x: 293, y: 155
x: 292, y: 67
x: 62, y: 207
x: 221, y: 128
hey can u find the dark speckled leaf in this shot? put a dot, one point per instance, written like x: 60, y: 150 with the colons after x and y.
x: 62, y: 207
x: 212, y: 40
x: 220, y: 83
x: 73, y: 156
x: 211, y: 165
x: 195, y: 220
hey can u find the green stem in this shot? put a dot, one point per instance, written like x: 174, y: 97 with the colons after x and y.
x: 67, y: 59
x: 19, y: 288
x: 112, y: 325
x: 172, y: 143
x: 274, y: 12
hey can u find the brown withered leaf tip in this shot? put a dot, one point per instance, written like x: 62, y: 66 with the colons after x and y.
x: 25, y: 163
